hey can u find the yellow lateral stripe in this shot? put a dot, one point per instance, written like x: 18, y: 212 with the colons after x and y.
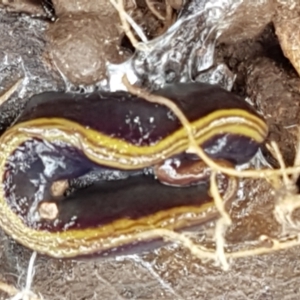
x: 133, y: 157
x: 116, y: 153
x: 78, y: 242
x: 132, y: 160
x: 214, y: 120
x: 87, y: 241
x: 237, y: 116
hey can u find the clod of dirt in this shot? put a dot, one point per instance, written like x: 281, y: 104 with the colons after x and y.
x: 84, y: 39
x: 279, y: 101
x: 266, y: 76
x: 287, y: 28
x: 81, y: 44
x: 31, y: 7
x: 148, y: 22
x: 248, y: 21
x: 79, y: 6
x: 253, y: 214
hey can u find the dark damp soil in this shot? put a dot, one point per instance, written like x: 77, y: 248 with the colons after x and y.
x: 171, y: 272
x: 269, y: 79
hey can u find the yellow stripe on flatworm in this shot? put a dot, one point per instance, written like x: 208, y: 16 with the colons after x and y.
x: 120, y: 154
x: 117, y: 153
x: 79, y: 242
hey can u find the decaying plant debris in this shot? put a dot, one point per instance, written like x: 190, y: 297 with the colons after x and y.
x: 281, y: 189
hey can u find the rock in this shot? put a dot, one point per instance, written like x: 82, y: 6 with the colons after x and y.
x: 81, y: 44
x: 84, y: 39
x: 286, y: 24
x: 88, y: 6
x: 33, y: 8
x: 247, y: 20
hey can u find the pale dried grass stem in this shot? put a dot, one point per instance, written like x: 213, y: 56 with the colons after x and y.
x: 125, y: 21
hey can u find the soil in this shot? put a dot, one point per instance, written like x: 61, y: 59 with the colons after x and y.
x: 267, y: 77
x: 170, y: 272
x: 84, y: 38
x: 91, y: 48
x: 31, y: 7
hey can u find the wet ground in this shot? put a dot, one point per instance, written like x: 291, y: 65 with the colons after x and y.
x: 171, y: 272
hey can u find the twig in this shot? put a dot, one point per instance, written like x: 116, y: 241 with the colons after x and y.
x: 10, y: 91
x: 297, y: 156
x: 204, y: 253
x: 125, y: 19
x: 154, y: 10
x: 13, y: 292
x: 287, y: 197
x: 169, y: 235
x: 194, y: 148
x: 280, y: 160
x: 168, y: 18
x: 8, y: 289
x: 277, y: 245
x: 222, y: 223
x: 225, y: 221
x: 26, y: 293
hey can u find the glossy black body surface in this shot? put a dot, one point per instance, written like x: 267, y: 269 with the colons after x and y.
x: 131, y: 118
